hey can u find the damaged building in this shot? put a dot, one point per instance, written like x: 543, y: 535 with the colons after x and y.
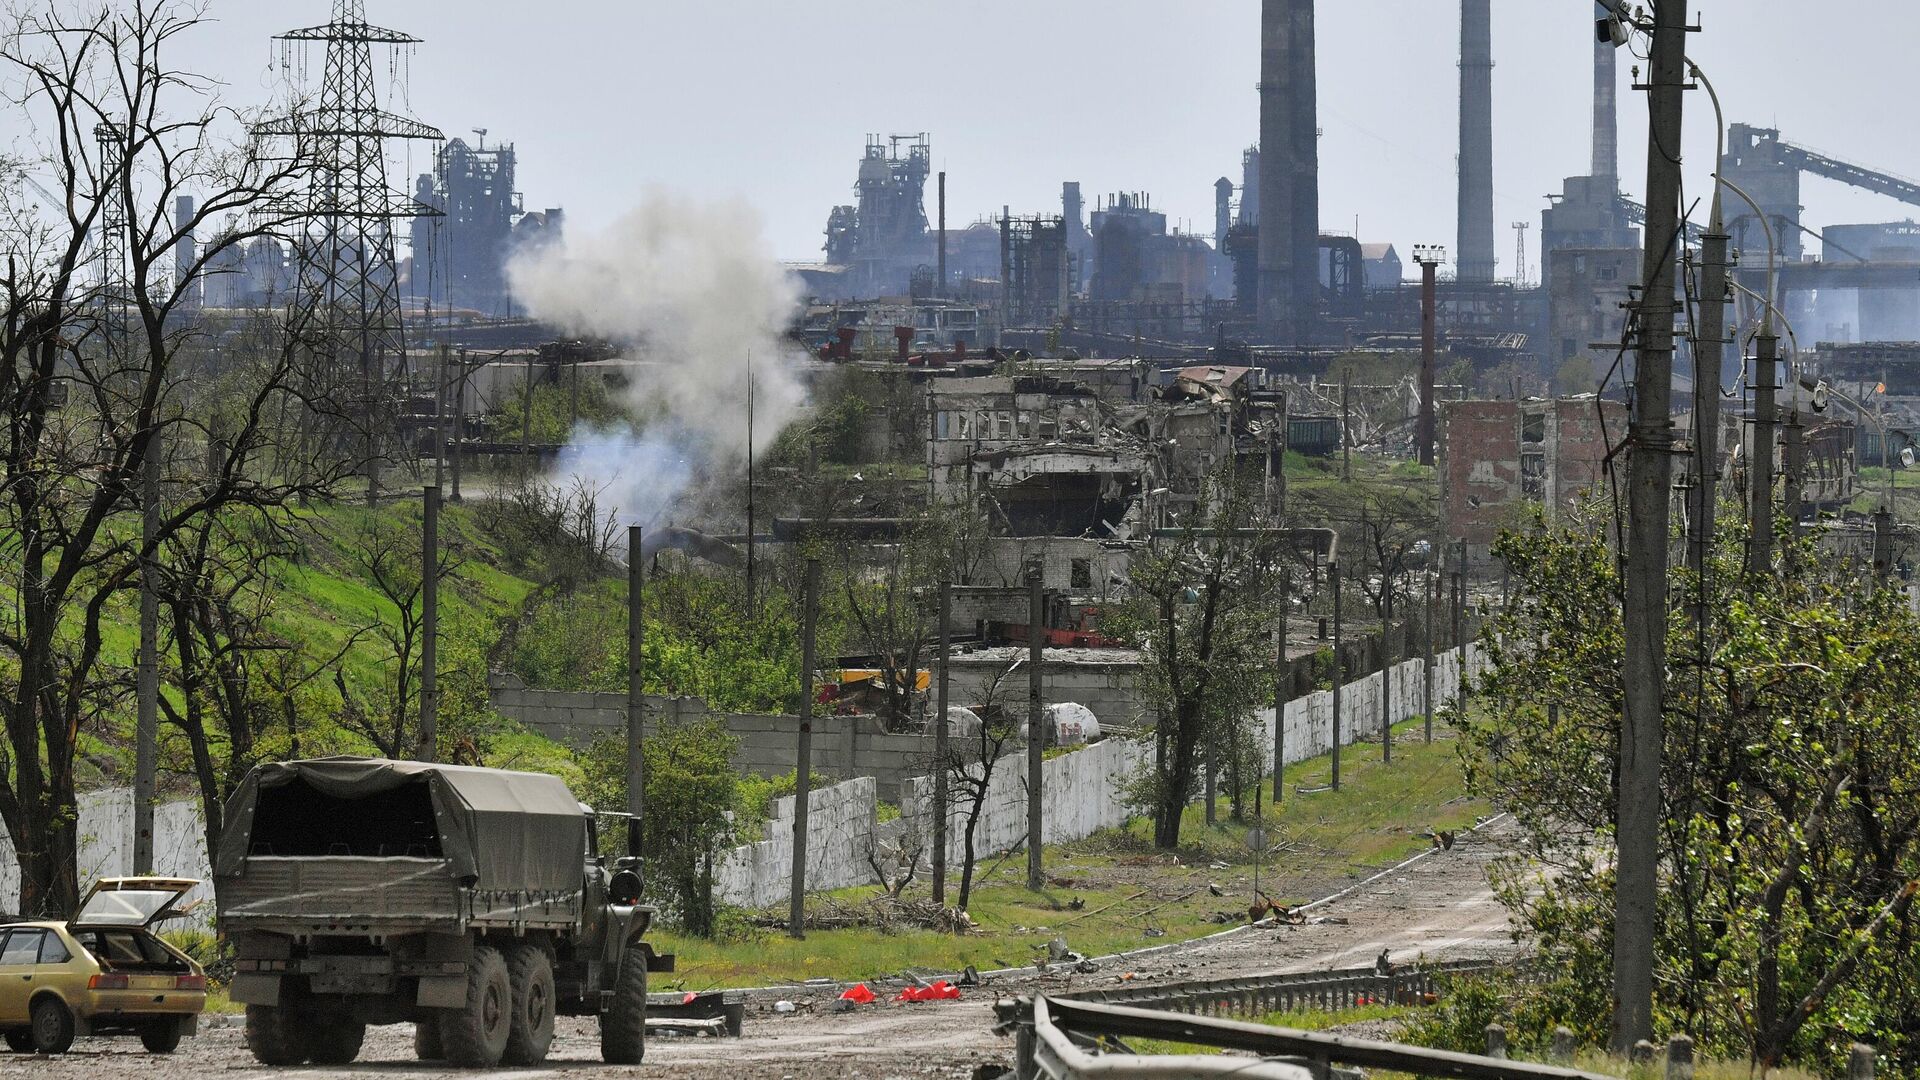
x: 1498, y: 457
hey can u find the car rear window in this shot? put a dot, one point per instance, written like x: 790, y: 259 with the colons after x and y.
x: 129, y: 950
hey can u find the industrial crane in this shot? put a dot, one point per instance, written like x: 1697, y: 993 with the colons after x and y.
x: 1768, y: 168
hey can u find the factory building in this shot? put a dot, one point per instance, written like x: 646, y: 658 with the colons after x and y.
x: 459, y: 255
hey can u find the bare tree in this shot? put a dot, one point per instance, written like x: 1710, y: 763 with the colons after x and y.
x: 93, y: 357
x: 970, y: 765
x: 387, y: 556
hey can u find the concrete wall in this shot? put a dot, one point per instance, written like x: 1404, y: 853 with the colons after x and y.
x: 840, y: 829
x: 106, y: 849
x: 1081, y: 792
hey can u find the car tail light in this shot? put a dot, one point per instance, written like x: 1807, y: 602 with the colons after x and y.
x: 190, y: 982
x: 107, y: 982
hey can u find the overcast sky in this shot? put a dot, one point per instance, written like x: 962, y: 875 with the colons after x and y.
x: 770, y: 100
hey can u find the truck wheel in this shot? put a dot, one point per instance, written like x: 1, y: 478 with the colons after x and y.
x: 623, y: 1027
x: 475, y: 1035
x: 334, y: 1038
x: 530, y: 1032
x: 426, y: 1039
x: 275, y: 1036
x: 52, y: 1025
x: 161, y: 1036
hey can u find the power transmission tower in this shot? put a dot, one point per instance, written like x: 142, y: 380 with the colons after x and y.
x: 349, y: 287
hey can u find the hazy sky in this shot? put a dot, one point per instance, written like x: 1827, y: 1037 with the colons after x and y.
x: 771, y: 100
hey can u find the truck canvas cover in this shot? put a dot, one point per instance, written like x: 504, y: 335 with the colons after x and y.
x: 502, y: 831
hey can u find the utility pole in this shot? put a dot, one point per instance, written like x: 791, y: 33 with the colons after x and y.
x: 1036, y: 724
x: 1339, y: 669
x: 146, y: 737
x: 1460, y: 629
x: 440, y: 414
x: 636, y: 700
x: 1794, y: 451
x: 1280, y: 689
x: 940, y: 734
x: 459, y: 421
x: 941, y: 258
x: 1883, y: 543
x: 1760, y: 463
x: 1649, y: 478
x: 1429, y: 259
x: 1429, y: 584
x: 1709, y: 352
x: 752, y: 609
x: 1386, y: 670
x: 429, y: 624
x: 803, y: 766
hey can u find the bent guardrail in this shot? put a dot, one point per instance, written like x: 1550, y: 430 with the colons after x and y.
x: 1061, y: 1039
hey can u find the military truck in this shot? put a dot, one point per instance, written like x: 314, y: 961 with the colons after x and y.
x: 473, y: 902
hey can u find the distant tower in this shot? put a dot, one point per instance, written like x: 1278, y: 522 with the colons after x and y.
x: 1520, y: 251
x: 1606, y: 110
x: 1475, y: 261
x: 349, y: 303
x: 1289, y: 193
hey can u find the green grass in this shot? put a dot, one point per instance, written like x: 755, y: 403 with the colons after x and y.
x: 1299, y: 1020
x: 1125, y: 886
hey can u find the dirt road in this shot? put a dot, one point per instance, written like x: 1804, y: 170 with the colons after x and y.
x: 1439, y: 907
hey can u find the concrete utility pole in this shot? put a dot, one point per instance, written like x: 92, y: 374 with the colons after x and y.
x: 1429, y: 584
x: 1709, y: 352
x: 636, y: 700
x: 1794, y: 453
x: 1386, y: 671
x: 1036, y: 723
x: 1760, y: 466
x: 1459, y: 629
x: 1339, y: 669
x: 803, y: 766
x: 459, y: 421
x: 146, y: 736
x: 1280, y: 690
x: 429, y: 624
x: 1649, y: 478
x: 940, y: 734
x: 1883, y: 542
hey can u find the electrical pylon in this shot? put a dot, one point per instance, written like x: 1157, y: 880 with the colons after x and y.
x: 349, y: 296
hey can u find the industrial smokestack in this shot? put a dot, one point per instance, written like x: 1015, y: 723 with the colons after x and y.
x: 185, y: 250
x: 1289, y: 172
x: 1222, y: 213
x: 1476, y: 258
x: 1606, y: 109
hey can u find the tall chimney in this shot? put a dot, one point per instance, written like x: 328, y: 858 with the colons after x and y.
x: 1289, y: 172
x: 1476, y: 258
x: 1222, y: 213
x: 1606, y: 110
x: 185, y: 250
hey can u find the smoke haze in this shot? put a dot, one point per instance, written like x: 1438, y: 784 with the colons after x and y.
x: 690, y: 287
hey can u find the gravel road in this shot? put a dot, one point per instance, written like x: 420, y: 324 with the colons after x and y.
x: 1439, y: 907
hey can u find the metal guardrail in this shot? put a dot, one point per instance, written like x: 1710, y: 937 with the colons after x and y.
x: 1255, y: 996
x: 1061, y: 1040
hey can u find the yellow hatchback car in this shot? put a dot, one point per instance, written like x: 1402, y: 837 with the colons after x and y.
x: 102, y: 973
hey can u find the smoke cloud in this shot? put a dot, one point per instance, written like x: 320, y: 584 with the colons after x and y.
x: 691, y: 288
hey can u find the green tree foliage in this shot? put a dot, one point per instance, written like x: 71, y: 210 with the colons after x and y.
x: 692, y: 789
x: 1204, y: 608
x: 1792, y: 790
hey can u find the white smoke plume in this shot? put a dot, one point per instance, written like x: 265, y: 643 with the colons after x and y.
x: 691, y: 287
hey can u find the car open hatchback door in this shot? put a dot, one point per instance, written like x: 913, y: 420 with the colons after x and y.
x: 133, y: 901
